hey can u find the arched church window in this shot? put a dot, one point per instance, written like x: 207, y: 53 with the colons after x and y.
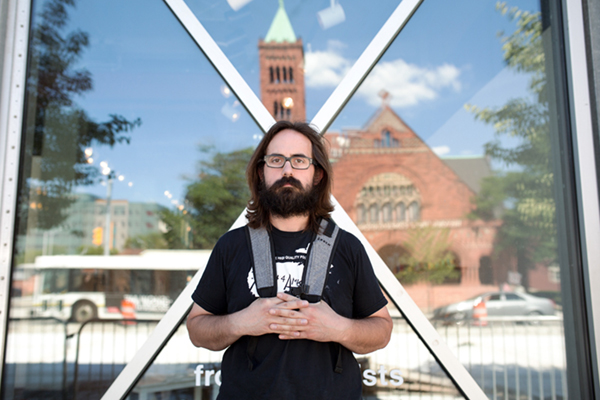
x: 374, y: 213
x: 413, y: 211
x: 362, y: 214
x: 291, y: 75
x: 271, y: 74
x: 400, y: 212
x: 387, y: 212
x: 278, y: 76
x: 284, y: 74
x: 386, y: 139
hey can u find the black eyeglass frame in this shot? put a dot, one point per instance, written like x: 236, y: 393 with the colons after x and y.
x: 310, y: 161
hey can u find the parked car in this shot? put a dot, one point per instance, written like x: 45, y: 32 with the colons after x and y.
x: 497, y: 304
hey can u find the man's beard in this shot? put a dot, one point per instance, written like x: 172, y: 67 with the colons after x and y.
x: 288, y: 201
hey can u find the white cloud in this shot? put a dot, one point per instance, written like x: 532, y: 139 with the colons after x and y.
x: 325, y: 68
x: 408, y: 84
x: 441, y: 150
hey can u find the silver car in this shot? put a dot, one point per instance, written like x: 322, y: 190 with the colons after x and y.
x: 496, y: 304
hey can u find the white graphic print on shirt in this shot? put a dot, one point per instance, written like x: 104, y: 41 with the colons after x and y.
x: 289, y: 272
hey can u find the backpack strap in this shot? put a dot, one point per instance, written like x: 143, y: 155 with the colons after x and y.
x: 263, y: 261
x: 319, y: 261
x: 315, y: 272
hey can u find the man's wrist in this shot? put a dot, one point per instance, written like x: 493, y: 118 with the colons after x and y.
x: 344, y: 329
x: 235, y: 328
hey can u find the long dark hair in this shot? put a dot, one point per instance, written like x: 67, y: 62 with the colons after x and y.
x: 257, y: 216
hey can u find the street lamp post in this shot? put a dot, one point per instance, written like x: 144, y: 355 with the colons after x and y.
x: 109, y: 183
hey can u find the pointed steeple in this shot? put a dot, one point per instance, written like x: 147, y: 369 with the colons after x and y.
x: 281, y: 28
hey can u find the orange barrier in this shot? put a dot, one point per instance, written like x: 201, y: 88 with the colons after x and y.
x: 128, y: 311
x: 479, y: 312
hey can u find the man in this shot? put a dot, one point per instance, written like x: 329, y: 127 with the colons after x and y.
x: 283, y: 347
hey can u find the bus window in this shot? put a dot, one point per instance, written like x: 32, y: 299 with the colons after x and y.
x: 48, y: 281
x: 162, y: 281
x: 87, y: 280
x: 61, y: 281
x: 141, y: 282
x: 120, y: 281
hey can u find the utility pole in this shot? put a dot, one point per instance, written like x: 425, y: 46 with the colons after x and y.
x: 109, y: 183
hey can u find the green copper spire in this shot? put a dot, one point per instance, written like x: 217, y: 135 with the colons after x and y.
x: 281, y: 29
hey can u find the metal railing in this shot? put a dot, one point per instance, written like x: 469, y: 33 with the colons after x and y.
x: 510, y: 358
x: 102, y: 350
x: 55, y: 359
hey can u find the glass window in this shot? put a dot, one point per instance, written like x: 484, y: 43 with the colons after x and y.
x: 400, y: 212
x: 387, y: 212
x: 374, y: 213
x: 362, y: 214
x: 122, y: 116
x: 386, y: 140
x: 477, y: 157
x: 413, y: 211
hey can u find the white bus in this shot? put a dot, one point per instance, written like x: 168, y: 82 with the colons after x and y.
x: 124, y: 286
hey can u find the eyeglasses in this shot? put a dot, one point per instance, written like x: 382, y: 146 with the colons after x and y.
x: 278, y: 161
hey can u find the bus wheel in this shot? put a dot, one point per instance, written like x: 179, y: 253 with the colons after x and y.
x: 83, y: 310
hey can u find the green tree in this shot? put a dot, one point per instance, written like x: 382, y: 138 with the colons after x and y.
x: 154, y: 240
x: 522, y: 195
x: 57, y: 130
x: 427, y: 257
x: 95, y: 251
x: 213, y: 201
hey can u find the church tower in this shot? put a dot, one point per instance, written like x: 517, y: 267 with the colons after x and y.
x: 281, y: 60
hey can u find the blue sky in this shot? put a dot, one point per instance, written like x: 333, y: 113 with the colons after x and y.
x: 145, y: 65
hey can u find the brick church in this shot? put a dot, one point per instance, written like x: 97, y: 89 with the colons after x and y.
x: 392, y: 184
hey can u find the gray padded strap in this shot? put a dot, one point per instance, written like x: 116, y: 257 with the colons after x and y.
x: 319, y: 260
x: 263, y: 259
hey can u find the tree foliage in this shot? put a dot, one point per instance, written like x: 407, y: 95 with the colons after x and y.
x: 154, y: 240
x: 427, y: 257
x: 524, y: 192
x: 58, y: 130
x: 95, y: 251
x: 213, y: 201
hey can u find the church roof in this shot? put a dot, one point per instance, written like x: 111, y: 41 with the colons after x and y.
x: 281, y: 28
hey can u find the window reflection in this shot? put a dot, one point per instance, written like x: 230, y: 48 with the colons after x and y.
x: 472, y: 194
x: 442, y: 208
x: 114, y: 218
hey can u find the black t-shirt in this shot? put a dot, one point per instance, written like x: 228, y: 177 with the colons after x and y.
x: 288, y: 369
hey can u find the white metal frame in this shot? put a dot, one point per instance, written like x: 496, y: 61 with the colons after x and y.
x: 11, y: 114
x: 585, y: 169
x: 430, y: 337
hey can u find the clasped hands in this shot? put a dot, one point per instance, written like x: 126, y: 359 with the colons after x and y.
x: 293, y: 318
